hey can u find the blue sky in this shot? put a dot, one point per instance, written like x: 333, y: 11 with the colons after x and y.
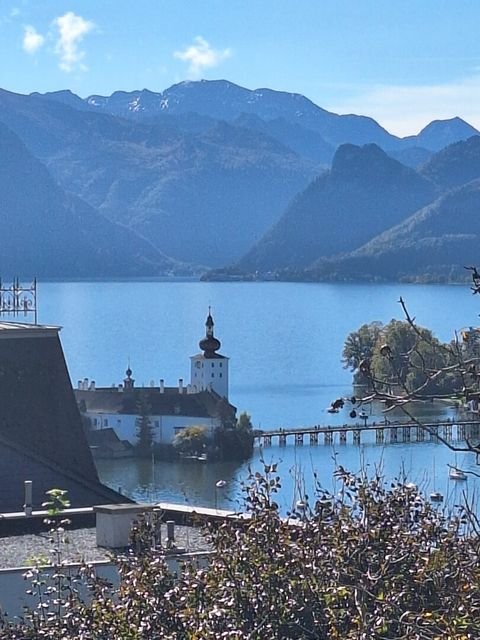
x: 403, y: 62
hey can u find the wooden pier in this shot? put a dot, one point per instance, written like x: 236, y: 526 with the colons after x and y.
x: 384, y: 433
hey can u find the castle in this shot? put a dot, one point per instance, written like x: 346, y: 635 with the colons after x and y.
x: 201, y: 402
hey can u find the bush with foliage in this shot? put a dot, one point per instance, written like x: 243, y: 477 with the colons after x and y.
x: 372, y: 562
x: 191, y: 441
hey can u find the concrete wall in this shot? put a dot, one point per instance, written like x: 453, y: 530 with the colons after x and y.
x: 164, y: 427
x: 13, y: 585
x: 209, y: 373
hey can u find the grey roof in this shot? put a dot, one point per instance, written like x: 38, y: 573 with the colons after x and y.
x: 41, y: 433
x: 18, y: 464
x: 23, y: 329
x: 37, y: 406
x: 204, y: 404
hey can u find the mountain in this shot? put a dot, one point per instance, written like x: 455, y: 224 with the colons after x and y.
x: 455, y: 165
x: 364, y: 193
x: 48, y: 233
x: 434, y: 243
x: 65, y: 97
x: 414, y: 157
x: 305, y: 142
x: 201, y: 193
x: 206, y: 169
x: 224, y: 100
x: 441, y: 133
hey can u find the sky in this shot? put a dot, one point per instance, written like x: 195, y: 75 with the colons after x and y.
x: 402, y: 62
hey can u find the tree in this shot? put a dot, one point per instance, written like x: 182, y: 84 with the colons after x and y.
x: 244, y: 422
x: 144, y: 427
x: 234, y: 440
x: 191, y: 441
x: 409, y: 365
x: 359, y: 346
x: 373, y: 561
x: 404, y: 355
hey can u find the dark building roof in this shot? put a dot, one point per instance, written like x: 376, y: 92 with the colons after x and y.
x: 41, y: 431
x: 205, y: 404
x: 37, y: 405
x: 18, y: 465
x: 105, y: 443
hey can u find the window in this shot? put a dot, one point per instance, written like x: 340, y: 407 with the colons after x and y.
x: 156, y: 423
x: 105, y: 422
x: 213, y: 364
x: 95, y: 422
x: 220, y: 375
x: 220, y: 364
x: 213, y: 375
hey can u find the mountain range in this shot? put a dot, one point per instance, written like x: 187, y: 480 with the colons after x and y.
x: 364, y: 193
x: 207, y: 174
x: 47, y: 232
x: 372, y: 218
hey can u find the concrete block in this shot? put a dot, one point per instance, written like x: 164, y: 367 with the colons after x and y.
x: 114, y: 523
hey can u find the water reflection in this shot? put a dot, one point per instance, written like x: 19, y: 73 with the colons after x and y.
x: 425, y: 464
x: 183, y: 482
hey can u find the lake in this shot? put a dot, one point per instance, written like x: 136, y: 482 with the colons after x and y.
x: 284, y: 341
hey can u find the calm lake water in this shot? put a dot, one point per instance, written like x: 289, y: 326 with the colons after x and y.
x: 284, y: 341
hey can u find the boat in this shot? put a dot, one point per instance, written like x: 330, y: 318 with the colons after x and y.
x: 457, y: 474
x: 332, y: 410
x: 435, y: 496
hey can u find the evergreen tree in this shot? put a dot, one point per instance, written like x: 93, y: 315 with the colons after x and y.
x: 144, y: 427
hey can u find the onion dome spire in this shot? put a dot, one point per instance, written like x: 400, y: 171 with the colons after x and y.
x: 209, y: 344
x: 128, y: 382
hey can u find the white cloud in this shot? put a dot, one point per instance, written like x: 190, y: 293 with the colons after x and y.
x: 406, y: 109
x: 71, y: 31
x: 32, y: 40
x: 201, y: 56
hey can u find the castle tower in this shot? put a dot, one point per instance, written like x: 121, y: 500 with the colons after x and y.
x: 209, y: 369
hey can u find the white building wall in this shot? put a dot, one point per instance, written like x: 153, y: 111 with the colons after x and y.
x: 164, y: 427
x: 209, y: 373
